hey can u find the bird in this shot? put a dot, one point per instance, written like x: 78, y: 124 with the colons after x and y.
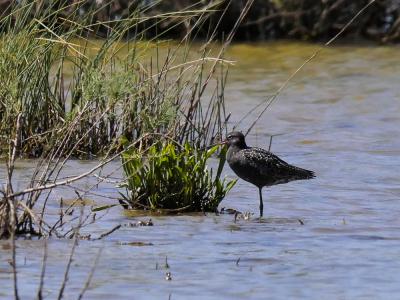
x: 259, y: 166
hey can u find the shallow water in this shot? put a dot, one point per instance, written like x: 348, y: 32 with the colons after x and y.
x: 339, y: 117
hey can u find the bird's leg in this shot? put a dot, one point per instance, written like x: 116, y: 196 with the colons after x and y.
x: 261, y: 202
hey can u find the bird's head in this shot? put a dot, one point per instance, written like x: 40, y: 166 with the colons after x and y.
x: 235, y: 138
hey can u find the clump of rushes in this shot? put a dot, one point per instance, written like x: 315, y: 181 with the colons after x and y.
x: 173, y: 178
x: 57, y: 75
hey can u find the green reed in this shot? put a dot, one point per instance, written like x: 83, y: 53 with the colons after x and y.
x: 57, y: 78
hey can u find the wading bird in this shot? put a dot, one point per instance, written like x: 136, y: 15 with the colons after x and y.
x: 260, y: 167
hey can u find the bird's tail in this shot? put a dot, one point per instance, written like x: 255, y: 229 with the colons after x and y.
x: 304, y: 174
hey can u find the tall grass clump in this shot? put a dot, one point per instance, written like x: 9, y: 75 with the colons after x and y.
x: 55, y: 76
x: 66, y: 93
x: 25, y: 64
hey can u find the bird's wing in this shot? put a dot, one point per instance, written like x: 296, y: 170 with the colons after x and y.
x: 265, y: 161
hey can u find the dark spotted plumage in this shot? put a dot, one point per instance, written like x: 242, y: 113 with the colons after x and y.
x: 260, y: 167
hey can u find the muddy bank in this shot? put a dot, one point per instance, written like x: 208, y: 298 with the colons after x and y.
x: 315, y: 20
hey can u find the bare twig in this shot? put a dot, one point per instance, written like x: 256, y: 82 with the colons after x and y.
x: 10, y: 211
x: 14, y: 250
x: 89, y: 279
x: 75, y: 243
x: 64, y: 283
x: 41, y: 283
x: 107, y: 233
x: 33, y: 216
x: 78, y: 177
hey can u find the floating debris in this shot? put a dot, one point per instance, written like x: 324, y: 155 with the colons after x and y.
x: 103, y: 207
x: 166, y: 263
x: 145, y: 223
x: 168, y: 276
x: 139, y: 244
x: 87, y: 237
x: 237, y: 261
x: 149, y: 222
x: 229, y: 211
x: 245, y: 216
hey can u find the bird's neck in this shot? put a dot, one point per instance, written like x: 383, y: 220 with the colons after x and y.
x: 237, y: 147
x: 241, y: 145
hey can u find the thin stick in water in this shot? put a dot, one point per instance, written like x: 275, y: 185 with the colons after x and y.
x: 41, y: 283
x: 89, y: 279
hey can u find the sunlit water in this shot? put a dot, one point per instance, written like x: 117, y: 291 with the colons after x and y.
x: 339, y: 117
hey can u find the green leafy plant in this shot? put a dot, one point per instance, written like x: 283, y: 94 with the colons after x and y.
x: 173, y: 177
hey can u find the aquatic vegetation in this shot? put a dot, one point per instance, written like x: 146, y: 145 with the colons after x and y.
x: 63, y: 83
x: 64, y: 95
x: 168, y: 176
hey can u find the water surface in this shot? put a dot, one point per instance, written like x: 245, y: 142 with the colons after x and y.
x: 339, y: 117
